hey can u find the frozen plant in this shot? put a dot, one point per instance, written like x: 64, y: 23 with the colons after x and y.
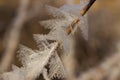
x: 35, y: 61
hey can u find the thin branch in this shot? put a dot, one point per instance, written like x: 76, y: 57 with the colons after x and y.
x: 72, y: 25
x: 83, y: 12
x: 71, y: 75
x: 87, y: 7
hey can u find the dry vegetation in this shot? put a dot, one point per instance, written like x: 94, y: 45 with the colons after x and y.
x: 54, y: 40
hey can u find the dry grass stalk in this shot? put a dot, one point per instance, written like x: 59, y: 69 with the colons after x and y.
x: 13, y: 36
x: 85, y: 9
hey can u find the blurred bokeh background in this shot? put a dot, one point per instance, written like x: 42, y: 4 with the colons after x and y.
x: 104, y: 34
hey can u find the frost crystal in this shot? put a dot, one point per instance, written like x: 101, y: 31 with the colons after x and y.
x: 38, y: 58
x: 16, y: 74
x: 56, y: 67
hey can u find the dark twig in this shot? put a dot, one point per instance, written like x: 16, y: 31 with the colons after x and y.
x: 87, y: 7
x: 72, y: 25
x: 83, y: 12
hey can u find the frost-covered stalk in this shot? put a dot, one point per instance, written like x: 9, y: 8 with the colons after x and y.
x: 35, y: 61
x: 32, y: 71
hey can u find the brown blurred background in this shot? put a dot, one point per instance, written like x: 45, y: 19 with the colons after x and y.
x: 104, y: 34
